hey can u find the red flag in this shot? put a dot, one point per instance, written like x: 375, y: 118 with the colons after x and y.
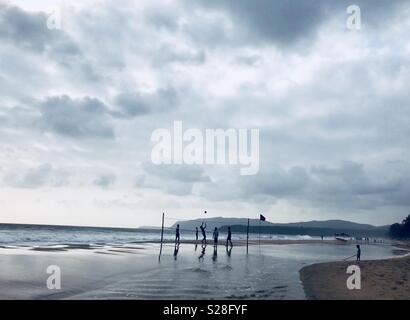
x: 262, y: 218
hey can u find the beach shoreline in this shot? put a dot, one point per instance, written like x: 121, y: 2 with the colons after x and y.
x: 253, y: 242
x: 386, y: 279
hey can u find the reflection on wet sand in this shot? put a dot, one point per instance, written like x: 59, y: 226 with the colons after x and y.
x: 228, y: 251
x: 215, y: 254
x: 201, y: 256
x: 176, y: 249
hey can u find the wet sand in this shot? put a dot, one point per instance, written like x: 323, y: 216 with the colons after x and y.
x: 84, y: 268
x: 133, y: 271
x: 387, y: 279
x: 253, y: 242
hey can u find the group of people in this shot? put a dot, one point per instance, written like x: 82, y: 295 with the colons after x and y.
x: 202, y: 227
x: 215, y: 234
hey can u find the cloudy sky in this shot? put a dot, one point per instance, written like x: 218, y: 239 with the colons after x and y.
x: 78, y: 106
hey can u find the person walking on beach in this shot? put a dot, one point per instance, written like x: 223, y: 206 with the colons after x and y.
x: 177, y: 235
x: 216, y: 234
x: 203, y: 227
x: 359, y: 251
x: 229, y: 237
x: 196, y: 234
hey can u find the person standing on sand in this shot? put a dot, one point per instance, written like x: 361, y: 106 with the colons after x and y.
x: 216, y: 234
x: 177, y: 235
x: 229, y: 237
x: 203, y: 227
x: 196, y: 234
x: 359, y: 252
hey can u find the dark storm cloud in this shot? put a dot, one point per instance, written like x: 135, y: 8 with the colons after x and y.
x: 133, y: 104
x: 172, y: 179
x: 86, y: 117
x: 285, y: 22
x: 351, y: 179
x: 278, y: 21
x: 62, y: 115
x: 36, y: 177
x: 348, y: 186
x: 130, y: 105
x: 164, y: 17
x: 29, y: 31
x: 77, y: 118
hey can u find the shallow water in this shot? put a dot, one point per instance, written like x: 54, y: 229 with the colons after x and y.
x: 267, y: 272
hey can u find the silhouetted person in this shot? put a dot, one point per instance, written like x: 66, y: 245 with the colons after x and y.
x: 203, y: 227
x: 229, y: 237
x: 196, y: 246
x: 196, y: 233
x: 201, y: 256
x: 176, y: 249
x: 322, y: 237
x: 177, y: 235
x: 216, y: 235
x: 359, y: 252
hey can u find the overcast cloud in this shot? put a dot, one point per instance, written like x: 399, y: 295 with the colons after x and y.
x: 78, y: 107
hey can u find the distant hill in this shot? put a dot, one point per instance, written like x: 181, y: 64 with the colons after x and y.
x: 334, y: 224
x: 327, y: 227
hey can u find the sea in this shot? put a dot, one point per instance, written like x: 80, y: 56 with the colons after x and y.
x: 32, y: 235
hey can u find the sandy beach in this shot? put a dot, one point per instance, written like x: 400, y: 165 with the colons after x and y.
x: 386, y: 279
